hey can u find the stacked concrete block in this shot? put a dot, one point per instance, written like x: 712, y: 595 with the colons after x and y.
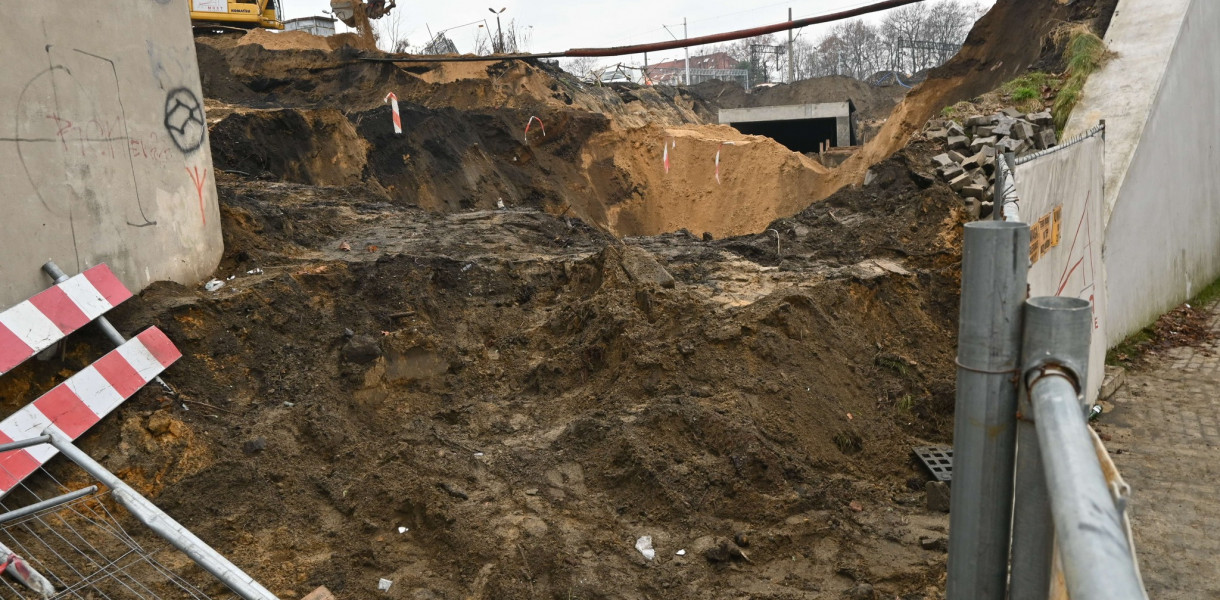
x: 969, y: 163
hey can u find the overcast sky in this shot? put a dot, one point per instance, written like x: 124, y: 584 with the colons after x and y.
x: 561, y: 25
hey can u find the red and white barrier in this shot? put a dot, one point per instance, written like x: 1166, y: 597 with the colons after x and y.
x: 34, y: 325
x: 393, y: 100
x: 531, y: 122
x: 77, y: 404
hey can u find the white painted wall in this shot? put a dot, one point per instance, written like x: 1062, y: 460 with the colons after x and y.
x: 103, y: 149
x: 1160, y: 98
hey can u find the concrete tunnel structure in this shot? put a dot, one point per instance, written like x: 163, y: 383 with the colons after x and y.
x: 799, y: 127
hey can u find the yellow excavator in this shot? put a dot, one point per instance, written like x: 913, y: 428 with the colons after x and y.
x: 251, y: 14
x: 235, y: 14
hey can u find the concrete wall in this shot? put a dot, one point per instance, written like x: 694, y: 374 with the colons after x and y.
x: 787, y: 112
x: 103, y: 147
x: 1161, y: 100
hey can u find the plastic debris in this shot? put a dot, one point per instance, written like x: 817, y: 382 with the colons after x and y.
x: 500, y: 204
x: 644, y: 545
x: 467, y: 267
x: 231, y: 278
x: 213, y: 285
x: 289, y: 404
x: 384, y: 585
x: 681, y: 552
x: 255, y: 271
x: 403, y: 529
x: 1094, y: 412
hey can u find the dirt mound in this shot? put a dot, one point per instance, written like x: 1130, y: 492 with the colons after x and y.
x: 1002, y: 44
x: 530, y: 395
x: 448, y: 160
x: 464, y: 143
x: 312, y: 147
x: 752, y: 182
x: 285, y: 40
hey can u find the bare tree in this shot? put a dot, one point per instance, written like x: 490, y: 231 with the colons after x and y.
x: 860, y: 48
x: 912, y: 37
x: 805, y: 59
x: 904, y: 24
x: 391, y: 33
x: 584, y: 67
x: 483, y: 44
x: 518, y: 38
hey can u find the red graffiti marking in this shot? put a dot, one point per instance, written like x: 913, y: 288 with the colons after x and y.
x: 64, y: 126
x: 199, y: 181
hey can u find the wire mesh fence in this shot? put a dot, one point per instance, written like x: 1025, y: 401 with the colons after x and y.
x: 92, y: 549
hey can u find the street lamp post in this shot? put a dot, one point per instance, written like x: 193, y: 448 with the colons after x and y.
x: 499, y: 30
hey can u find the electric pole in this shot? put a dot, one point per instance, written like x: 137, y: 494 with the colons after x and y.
x: 791, y: 56
x: 687, y: 49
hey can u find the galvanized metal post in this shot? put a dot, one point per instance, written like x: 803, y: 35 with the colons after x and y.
x: 1093, y: 547
x: 997, y: 194
x: 995, y: 263
x: 108, y: 330
x: 165, y: 526
x: 1057, y: 330
x: 45, y: 504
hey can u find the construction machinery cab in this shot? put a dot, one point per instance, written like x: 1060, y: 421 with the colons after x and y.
x: 235, y: 14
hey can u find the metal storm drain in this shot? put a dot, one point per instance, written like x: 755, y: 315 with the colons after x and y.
x: 938, y: 460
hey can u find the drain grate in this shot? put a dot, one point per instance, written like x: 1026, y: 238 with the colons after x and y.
x: 938, y: 460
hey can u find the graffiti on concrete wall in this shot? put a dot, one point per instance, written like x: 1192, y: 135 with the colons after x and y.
x: 103, y: 145
x: 83, y: 154
x: 184, y: 119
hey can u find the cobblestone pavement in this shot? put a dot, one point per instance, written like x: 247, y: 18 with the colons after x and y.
x: 1165, y: 439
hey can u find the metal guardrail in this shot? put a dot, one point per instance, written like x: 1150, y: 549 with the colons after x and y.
x: 76, y: 547
x: 1022, y: 366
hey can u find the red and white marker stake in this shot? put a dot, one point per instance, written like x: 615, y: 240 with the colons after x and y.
x: 722, y: 144
x: 531, y: 122
x: 34, y: 325
x: 77, y: 404
x: 393, y: 100
x: 665, y: 156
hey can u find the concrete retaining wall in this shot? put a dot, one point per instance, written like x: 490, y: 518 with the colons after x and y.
x: 103, y: 147
x: 1161, y: 100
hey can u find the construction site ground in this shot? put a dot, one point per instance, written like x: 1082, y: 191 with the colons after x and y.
x: 483, y: 363
x: 1165, y: 438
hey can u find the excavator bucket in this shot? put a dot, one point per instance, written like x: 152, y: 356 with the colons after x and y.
x: 346, y: 10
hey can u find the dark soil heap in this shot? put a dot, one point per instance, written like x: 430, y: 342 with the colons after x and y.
x: 400, y: 380
x: 527, y: 396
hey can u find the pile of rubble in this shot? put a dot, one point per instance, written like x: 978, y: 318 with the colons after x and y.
x: 969, y: 163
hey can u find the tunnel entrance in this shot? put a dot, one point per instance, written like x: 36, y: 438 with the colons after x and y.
x: 801, y: 135
x: 799, y: 127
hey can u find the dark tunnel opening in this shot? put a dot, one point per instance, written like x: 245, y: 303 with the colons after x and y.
x: 798, y: 135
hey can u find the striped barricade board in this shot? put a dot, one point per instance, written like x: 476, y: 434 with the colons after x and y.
x: 35, y: 324
x: 77, y: 404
